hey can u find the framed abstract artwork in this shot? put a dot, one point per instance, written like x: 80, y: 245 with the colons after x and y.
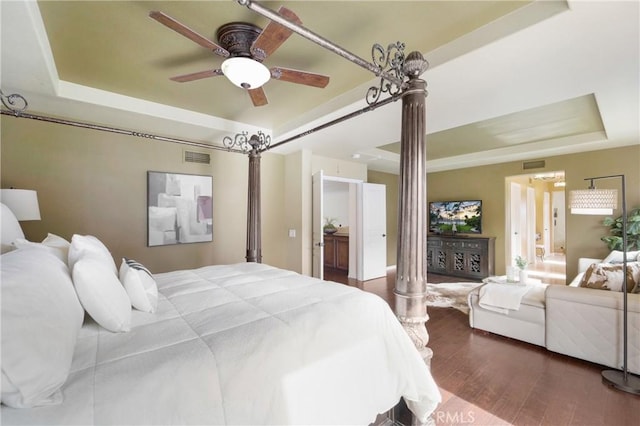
x: 179, y: 208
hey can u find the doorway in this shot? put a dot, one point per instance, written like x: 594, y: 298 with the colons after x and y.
x: 535, y: 224
x: 358, y: 210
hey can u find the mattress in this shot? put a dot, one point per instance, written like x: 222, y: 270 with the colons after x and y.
x: 244, y: 344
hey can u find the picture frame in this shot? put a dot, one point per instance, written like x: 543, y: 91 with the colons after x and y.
x: 179, y: 208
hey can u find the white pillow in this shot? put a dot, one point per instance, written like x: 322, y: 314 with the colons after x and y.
x: 58, y: 242
x: 616, y: 257
x: 140, y: 285
x: 101, y: 293
x: 10, y: 229
x: 22, y: 243
x: 88, y: 244
x: 54, y: 244
x: 41, y: 318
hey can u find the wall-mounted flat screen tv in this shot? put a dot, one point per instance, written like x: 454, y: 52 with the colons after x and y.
x: 463, y: 217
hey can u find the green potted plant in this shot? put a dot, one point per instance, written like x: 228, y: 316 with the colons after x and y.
x: 522, y: 264
x: 329, y: 225
x: 614, y: 241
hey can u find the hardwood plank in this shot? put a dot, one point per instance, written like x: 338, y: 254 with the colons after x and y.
x: 486, y: 379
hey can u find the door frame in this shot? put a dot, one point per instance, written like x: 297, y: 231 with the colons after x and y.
x: 372, y: 245
x: 318, y: 240
x: 528, y: 210
x: 317, y: 235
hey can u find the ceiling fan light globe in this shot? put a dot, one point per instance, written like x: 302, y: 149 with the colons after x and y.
x: 245, y: 72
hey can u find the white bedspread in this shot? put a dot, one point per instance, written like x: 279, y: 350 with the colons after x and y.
x: 244, y: 344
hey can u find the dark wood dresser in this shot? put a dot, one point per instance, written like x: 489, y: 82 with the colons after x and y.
x: 461, y: 256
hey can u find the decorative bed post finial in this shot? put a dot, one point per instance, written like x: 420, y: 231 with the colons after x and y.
x: 411, y: 274
x: 414, y: 65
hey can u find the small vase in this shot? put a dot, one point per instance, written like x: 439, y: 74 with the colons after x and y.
x: 523, y: 276
x: 511, y: 274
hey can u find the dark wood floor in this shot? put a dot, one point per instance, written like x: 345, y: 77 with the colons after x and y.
x: 486, y: 379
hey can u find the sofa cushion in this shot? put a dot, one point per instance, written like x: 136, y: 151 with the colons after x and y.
x: 607, y: 276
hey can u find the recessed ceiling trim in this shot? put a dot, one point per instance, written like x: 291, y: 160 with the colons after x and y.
x: 531, y: 151
x: 520, y: 18
x: 90, y: 95
x: 32, y: 63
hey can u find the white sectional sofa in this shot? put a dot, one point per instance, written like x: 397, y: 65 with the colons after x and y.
x: 580, y: 322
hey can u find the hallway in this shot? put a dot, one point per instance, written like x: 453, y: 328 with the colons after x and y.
x: 551, y: 269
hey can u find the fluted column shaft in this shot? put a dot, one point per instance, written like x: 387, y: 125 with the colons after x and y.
x: 411, y: 274
x: 254, y: 232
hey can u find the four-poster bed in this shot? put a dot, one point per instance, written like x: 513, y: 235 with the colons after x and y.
x: 401, y: 80
x: 399, y: 76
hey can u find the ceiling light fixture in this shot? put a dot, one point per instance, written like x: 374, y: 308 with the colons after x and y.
x: 245, y: 72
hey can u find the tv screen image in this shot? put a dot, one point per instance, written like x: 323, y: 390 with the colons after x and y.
x: 463, y: 217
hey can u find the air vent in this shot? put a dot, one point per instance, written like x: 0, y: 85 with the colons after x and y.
x: 196, y: 157
x: 535, y: 164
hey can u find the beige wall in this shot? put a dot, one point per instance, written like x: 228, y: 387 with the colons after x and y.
x: 298, y: 210
x: 488, y: 183
x: 339, y: 168
x: 582, y: 232
x: 92, y: 182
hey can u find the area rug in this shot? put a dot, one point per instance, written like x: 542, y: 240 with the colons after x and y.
x: 450, y: 295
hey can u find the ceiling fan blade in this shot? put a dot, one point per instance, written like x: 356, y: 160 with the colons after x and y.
x: 197, y: 75
x: 273, y: 35
x: 258, y: 97
x: 169, y: 22
x: 300, y: 77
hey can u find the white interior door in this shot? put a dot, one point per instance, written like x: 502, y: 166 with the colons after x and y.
x: 515, y: 201
x: 559, y: 209
x: 317, y: 223
x: 546, y: 221
x: 531, y: 224
x: 372, y: 227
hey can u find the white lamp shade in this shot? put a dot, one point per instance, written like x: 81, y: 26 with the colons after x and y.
x: 22, y: 202
x: 245, y: 72
x: 593, y: 201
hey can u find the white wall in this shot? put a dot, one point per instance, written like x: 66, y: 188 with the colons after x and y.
x: 336, y: 202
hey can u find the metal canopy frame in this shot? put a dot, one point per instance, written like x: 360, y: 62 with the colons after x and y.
x: 400, y: 78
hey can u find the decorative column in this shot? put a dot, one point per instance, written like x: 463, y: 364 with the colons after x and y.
x: 254, y: 232
x: 411, y: 274
x: 253, y: 146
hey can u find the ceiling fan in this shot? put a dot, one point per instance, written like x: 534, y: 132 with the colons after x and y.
x: 245, y: 46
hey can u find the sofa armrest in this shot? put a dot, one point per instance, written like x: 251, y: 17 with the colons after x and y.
x: 585, y: 262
